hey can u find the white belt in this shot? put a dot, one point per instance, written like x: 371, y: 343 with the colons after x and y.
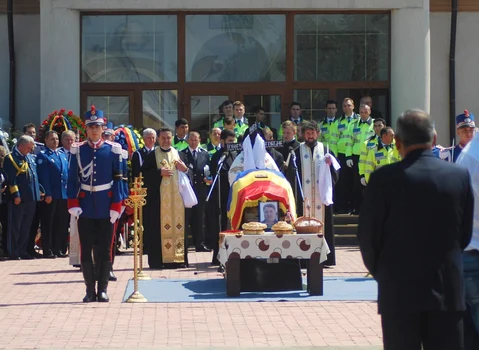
x: 95, y: 188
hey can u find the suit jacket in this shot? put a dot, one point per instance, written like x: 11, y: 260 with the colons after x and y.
x: 137, y: 160
x: 415, y: 221
x: 197, y: 168
x: 286, y: 145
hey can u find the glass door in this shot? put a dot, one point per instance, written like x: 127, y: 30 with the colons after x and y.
x: 117, y: 106
x: 272, y: 104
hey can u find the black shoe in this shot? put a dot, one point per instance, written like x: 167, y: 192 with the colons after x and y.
x: 49, y: 256
x: 215, y: 262
x: 354, y: 212
x: 61, y: 255
x: 112, y: 277
x: 27, y: 257
x: 76, y: 265
x: 36, y: 255
x: 203, y: 248
x: 103, y: 277
x: 13, y: 257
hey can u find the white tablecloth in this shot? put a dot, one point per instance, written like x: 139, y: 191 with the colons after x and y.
x: 300, y: 246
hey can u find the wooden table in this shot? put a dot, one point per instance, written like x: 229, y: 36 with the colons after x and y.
x: 311, y: 247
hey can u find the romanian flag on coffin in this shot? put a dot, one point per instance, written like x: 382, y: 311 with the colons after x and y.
x: 253, y: 186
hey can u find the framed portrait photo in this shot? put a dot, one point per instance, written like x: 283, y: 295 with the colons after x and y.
x: 268, y: 213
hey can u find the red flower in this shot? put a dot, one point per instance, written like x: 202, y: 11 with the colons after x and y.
x: 62, y: 110
x: 70, y: 113
x: 55, y: 112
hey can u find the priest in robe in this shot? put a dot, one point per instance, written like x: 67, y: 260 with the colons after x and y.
x: 309, y: 156
x: 164, y: 214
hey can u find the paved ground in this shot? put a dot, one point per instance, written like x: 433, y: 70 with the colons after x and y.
x: 41, y: 308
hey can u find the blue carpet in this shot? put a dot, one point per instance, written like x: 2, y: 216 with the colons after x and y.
x: 214, y: 290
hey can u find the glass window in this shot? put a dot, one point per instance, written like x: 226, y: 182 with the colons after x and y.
x: 313, y: 103
x: 342, y: 47
x: 379, y: 97
x: 272, y: 109
x: 160, y: 108
x: 235, y: 48
x: 115, y: 108
x: 204, y: 111
x: 129, y: 48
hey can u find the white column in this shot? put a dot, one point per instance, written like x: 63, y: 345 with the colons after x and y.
x: 59, y: 58
x: 410, y: 60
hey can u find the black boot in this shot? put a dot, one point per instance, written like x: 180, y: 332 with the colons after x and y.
x: 88, y: 275
x: 112, y: 276
x: 103, y: 277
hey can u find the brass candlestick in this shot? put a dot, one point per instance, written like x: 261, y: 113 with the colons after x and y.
x: 136, y: 200
x: 141, y: 274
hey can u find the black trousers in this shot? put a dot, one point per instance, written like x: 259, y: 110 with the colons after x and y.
x: 19, y: 223
x: 344, y: 186
x: 435, y: 330
x: 98, y: 233
x: 55, y: 220
x: 196, y: 216
x: 35, y: 223
x: 357, y: 187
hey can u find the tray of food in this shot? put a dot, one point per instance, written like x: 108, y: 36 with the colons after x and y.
x: 253, y: 228
x: 283, y: 228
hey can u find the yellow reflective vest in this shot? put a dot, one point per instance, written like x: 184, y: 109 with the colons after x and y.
x: 367, y: 145
x: 358, y: 132
x: 329, y: 134
x: 343, y: 138
x: 379, y: 156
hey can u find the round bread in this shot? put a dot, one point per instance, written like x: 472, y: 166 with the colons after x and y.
x: 253, y: 228
x: 282, y: 227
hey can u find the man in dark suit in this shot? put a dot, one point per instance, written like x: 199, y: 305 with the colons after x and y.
x: 217, y: 220
x: 196, y: 160
x: 138, y: 157
x: 414, y: 224
x: 289, y: 141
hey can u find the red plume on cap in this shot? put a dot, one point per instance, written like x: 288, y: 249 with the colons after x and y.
x: 466, y: 113
x: 92, y: 109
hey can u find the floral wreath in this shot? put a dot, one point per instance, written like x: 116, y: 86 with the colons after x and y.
x: 129, y: 138
x: 61, y: 121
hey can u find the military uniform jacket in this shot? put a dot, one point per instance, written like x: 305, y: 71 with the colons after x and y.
x: 95, y: 178
x: 22, y: 179
x: 52, y: 169
x: 124, y: 171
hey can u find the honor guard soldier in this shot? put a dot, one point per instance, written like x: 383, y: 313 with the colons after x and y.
x: 52, y: 168
x: 24, y: 190
x: 465, y: 128
x: 95, y: 197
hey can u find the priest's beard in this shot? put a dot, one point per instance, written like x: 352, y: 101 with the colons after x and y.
x: 311, y: 143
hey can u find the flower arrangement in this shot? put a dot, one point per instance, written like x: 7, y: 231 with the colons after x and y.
x: 129, y: 138
x: 61, y: 121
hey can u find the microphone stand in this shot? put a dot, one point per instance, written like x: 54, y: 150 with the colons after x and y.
x: 220, y: 166
x: 297, y: 180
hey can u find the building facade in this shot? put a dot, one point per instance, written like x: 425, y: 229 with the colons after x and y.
x: 148, y: 62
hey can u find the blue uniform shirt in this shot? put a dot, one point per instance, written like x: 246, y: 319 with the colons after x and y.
x: 457, y: 151
x: 22, y: 176
x: 124, y: 169
x: 95, y: 179
x: 52, y: 168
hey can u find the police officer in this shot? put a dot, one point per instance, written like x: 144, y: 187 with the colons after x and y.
x: 329, y: 135
x: 214, y: 142
x: 179, y: 141
x: 196, y: 160
x: 358, y: 132
x: 24, y: 190
x: 384, y: 153
x: 94, y: 197
x: 372, y: 141
x: 52, y: 168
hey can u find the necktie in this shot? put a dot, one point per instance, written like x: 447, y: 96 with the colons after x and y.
x: 239, y: 122
x: 296, y: 121
x: 387, y: 147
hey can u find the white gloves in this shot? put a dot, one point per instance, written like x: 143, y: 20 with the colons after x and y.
x: 75, y: 212
x: 363, y: 181
x: 349, y: 163
x: 114, y: 215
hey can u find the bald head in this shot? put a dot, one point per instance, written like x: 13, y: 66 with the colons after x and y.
x: 415, y: 128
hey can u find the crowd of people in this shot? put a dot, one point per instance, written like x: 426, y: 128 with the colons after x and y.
x: 45, y: 184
